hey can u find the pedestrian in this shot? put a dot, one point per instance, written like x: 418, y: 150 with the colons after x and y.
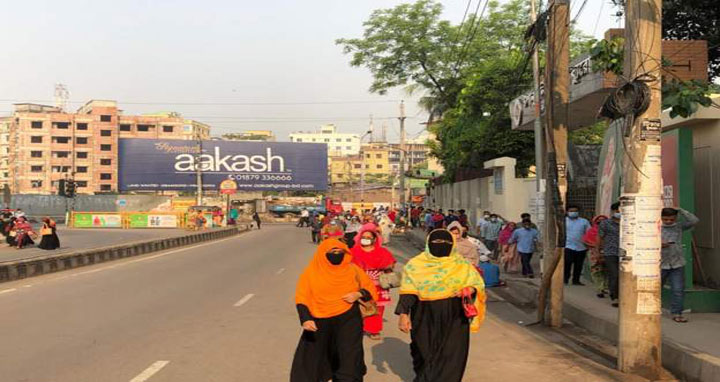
x: 451, y: 217
x: 326, y: 298
x: 352, y: 230
x: 370, y: 255
x: 527, y: 216
x: 598, y: 272
x: 438, y: 219
x: 575, y: 249
x: 24, y: 231
x: 256, y: 217
x: 432, y: 309
x: 526, y: 237
x: 217, y: 217
x: 315, y: 228
x: 509, y: 257
x: 50, y: 239
x: 481, y: 223
x: 10, y: 232
x: 463, y: 219
x: 491, y: 232
x: 672, y: 263
x: 464, y: 247
x: 304, y: 218
x: 199, y: 220
x: 490, y: 272
x: 428, y: 221
x: 332, y: 230
x: 609, y: 244
x: 233, y: 215
x: 19, y: 213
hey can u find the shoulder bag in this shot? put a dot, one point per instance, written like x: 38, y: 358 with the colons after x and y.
x: 389, y: 280
x: 367, y: 308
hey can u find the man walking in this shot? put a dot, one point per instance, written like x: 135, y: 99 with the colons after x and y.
x: 672, y: 263
x: 304, y: 218
x: 525, y: 237
x: 575, y: 249
x: 609, y: 245
x: 481, y: 223
x: 491, y: 232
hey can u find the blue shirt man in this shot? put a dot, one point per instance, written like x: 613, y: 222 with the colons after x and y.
x: 575, y: 249
x: 490, y: 271
x: 525, y: 237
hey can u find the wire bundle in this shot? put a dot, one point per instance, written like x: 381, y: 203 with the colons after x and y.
x: 630, y: 99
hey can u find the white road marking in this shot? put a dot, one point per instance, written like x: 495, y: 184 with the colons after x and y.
x: 27, y: 286
x: 244, y: 300
x: 7, y: 290
x: 150, y: 371
x: 281, y: 270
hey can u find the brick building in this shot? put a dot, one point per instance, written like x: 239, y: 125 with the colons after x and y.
x: 45, y: 144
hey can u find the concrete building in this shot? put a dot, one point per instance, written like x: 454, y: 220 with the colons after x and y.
x: 47, y: 144
x: 250, y: 135
x: 339, y: 144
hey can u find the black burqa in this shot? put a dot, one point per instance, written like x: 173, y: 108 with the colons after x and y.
x: 440, y: 331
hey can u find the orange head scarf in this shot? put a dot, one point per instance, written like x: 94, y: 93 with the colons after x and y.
x: 322, y: 285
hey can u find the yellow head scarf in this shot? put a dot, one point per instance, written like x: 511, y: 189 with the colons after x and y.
x: 436, y: 278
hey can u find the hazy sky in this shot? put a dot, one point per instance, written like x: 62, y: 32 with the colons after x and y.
x: 156, y: 55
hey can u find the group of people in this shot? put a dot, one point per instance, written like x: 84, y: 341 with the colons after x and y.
x: 340, y: 296
x: 19, y: 232
x: 347, y: 225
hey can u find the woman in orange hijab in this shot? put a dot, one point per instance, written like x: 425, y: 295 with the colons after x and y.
x: 327, y: 294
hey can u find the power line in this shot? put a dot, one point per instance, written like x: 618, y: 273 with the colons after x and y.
x: 170, y: 103
x: 473, y: 30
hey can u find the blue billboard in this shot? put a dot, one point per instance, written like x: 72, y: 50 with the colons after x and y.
x: 166, y: 164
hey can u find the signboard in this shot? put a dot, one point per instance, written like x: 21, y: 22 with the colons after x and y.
x: 182, y: 205
x: 164, y: 164
x: 149, y: 220
x: 90, y: 220
x: 228, y: 186
x: 121, y: 202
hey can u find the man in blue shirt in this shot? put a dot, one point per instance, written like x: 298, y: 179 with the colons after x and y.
x: 525, y: 237
x: 490, y: 272
x: 575, y: 249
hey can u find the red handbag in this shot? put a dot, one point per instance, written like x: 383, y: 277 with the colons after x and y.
x: 468, y: 303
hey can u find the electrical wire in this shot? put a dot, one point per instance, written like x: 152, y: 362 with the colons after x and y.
x: 170, y: 103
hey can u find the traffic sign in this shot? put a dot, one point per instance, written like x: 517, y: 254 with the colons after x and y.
x: 228, y: 187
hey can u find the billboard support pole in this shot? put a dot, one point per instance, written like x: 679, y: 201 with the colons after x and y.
x: 198, y: 169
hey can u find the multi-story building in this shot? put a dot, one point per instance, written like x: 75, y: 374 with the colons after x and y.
x: 372, y: 163
x: 250, y: 135
x: 339, y: 144
x: 47, y: 144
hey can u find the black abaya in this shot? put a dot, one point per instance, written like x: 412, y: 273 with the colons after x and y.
x: 440, y: 338
x: 334, y: 352
x: 50, y: 242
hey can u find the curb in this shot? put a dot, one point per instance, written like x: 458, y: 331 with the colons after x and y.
x: 20, y: 269
x: 688, y: 364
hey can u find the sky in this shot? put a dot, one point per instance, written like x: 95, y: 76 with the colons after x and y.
x: 236, y: 65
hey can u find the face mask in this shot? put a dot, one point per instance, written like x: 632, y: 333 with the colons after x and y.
x: 617, y: 215
x: 573, y: 214
x: 493, y: 220
x: 440, y: 244
x: 486, y: 216
x: 366, y: 242
x: 669, y: 224
x: 335, y: 258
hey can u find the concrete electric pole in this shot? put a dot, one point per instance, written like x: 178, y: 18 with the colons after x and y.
x: 198, y: 166
x: 639, y: 338
x: 557, y: 85
x: 402, y: 154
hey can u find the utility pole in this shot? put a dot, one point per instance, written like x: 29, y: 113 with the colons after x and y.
x: 557, y: 84
x: 198, y: 166
x: 639, y: 337
x: 402, y: 154
x: 540, y: 212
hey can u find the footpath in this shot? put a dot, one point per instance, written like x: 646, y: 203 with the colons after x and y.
x: 691, y: 351
x: 81, y: 247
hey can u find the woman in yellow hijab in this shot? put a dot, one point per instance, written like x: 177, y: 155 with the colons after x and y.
x: 327, y: 294
x: 432, y: 311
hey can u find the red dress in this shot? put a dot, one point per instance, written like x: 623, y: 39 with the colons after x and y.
x: 374, y: 263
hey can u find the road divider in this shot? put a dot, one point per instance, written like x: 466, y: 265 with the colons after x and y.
x: 20, y: 269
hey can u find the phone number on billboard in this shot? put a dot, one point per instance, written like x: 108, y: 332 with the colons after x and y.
x: 263, y: 177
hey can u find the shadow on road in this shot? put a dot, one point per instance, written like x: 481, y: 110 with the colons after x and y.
x: 392, y: 356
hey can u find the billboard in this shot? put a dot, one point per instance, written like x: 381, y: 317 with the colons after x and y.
x: 165, y: 164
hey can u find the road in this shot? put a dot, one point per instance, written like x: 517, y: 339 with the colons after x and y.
x: 223, y: 311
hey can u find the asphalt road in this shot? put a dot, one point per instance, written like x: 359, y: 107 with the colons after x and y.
x: 223, y: 311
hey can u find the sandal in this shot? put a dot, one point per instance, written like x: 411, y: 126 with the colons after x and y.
x: 375, y: 336
x: 680, y: 319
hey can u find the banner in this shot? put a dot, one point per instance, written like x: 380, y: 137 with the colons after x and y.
x: 149, y: 220
x: 90, y: 220
x: 164, y: 164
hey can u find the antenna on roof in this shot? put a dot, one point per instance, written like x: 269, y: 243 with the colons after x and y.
x: 372, y: 129
x: 62, y: 96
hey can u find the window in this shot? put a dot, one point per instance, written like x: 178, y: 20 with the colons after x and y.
x: 498, y: 180
x: 61, y: 125
x: 82, y: 154
x: 340, y: 176
x: 36, y: 124
x: 105, y: 147
x: 327, y: 140
x: 61, y: 139
x: 348, y: 147
x: 36, y: 183
x: 167, y: 129
x: 106, y: 118
x: 105, y: 187
x: 378, y: 156
x: 125, y: 127
x: 338, y: 140
x: 81, y: 140
x: 379, y: 167
x: 60, y: 154
x: 35, y: 154
x: 298, y: 140
x: 82, y: 126
x: 106, y: 162
x: 60, y: 169
x: 105, y: 176
x: 6, y: 174
x: 36, y: 139
x: 313, y: 139
x: 36, y: 168
x: 357, y: 166
x: 367, y: 156
x: 105, y: 133
x: 144, y: 127
x: 80, y: 183
x: 348, y: 140
x: 81, y: 169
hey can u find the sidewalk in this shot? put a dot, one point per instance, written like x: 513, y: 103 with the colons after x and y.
x: 691, y: 350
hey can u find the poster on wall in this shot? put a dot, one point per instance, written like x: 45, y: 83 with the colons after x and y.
x: 149, y: 220
x: 164, y: 164
x: 88, y: 220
